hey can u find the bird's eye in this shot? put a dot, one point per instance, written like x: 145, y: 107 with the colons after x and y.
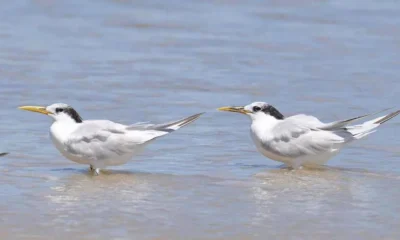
x: 256, y: 109
x: 59, y: 110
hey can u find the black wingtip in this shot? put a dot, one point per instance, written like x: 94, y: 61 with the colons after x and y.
x: 366, y: 115
x: 3, y: 154
x: 190, y: 119
x: 388, y: 117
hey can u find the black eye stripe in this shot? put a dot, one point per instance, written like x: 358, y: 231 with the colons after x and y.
x: 256, y: 108
x: 70, y: 112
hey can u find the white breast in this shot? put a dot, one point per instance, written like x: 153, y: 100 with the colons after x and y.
x: 265, y: 152
x: 59, y: 134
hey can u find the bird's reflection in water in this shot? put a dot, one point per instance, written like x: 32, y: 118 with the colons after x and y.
x: 304, y: 192
x: 285, y: 192
x: 83, y: 190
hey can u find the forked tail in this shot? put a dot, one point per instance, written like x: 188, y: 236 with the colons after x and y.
x: 175, y: 125
x: 152, y: 131
x: 362, y: 130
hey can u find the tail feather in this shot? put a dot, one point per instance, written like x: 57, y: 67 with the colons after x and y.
x: 175, y: 125
x: 362, y: 130
x: 387, y: 117
x: 344, y: 123
x: 165, y: 127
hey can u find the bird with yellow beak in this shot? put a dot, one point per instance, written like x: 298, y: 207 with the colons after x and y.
x: 101, y: 143
x: 302, y: 140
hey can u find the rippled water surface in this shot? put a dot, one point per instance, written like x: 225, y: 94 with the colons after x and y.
x: 157, y: 61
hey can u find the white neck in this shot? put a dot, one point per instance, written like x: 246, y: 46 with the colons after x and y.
x: 262, y: 124
x: 62, y: 128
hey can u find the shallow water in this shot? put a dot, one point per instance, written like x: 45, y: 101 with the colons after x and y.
x: 132, y: 61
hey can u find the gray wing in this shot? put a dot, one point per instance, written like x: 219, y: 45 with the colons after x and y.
x: 343, y: 123
x: 300, y: 135
x: 165, y: 127
x: 103, y: 139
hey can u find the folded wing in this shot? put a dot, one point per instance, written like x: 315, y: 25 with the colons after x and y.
x: 344, y: 123
x: 102, y: 139
x: 165, y: 127
x: 300, y: 135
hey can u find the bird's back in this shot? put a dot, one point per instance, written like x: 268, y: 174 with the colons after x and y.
x: 96, y: 142
x: 294, y: 138
x: 102, y: 142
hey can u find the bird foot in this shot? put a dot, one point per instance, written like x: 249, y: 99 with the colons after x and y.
x: 95, y: 171
x: 295, y: 167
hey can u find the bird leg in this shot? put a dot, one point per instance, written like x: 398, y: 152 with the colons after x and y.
x: 95, y: 171
x: 296, y: 164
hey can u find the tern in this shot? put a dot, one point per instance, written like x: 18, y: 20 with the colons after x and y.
x: 101, y: 143
x: 302, y: 140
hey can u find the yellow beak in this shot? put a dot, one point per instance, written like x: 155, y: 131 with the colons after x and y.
x: 38, y: 109
x: 234, y: 109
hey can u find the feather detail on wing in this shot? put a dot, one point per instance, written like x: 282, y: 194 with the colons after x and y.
x: 344, y: 123
x: 366, y: 128
x: 295, y: 126
x: 299, y: 136
x: 102, y: 139
x: 165, y: 127
x: 302, y: 135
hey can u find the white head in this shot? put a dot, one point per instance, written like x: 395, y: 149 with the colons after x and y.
x: 57, y: 111
x: 256, y: 110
